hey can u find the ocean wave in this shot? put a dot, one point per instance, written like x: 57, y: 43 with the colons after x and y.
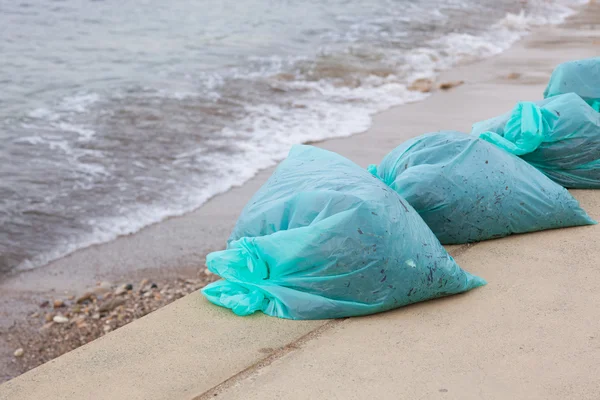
x: 308, y: 101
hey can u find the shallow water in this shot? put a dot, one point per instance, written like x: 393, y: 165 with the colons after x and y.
x: 115, y: 116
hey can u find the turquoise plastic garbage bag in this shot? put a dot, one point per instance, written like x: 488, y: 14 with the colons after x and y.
x: 581, y: 77
x: 325, y: 239
x: 468, y: 190
x: 560, y: 136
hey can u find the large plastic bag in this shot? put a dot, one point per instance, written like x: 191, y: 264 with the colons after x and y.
x: 325, y: 239
x: 581, y: 77
x: 469, y: 190
x: 560, y: 136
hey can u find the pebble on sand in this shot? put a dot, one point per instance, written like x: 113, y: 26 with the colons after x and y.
x: 99, y: 311
x: 143, y: 283
x: 19, y: 352
x: 87, y: 296
x: 450, y: 85
x: 60, y: 319
x: 111, y: 304
x: 123, y: 289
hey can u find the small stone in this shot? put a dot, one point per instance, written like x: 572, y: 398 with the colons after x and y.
x: 105, y: 285
x: 71, y: 297
x: 143, y: 283
x: 87, y: 296
x: 76, y: 308
x: 96, y: 316
x: 147, y: 294
x: 60, y: 319
x: 121, y: 290
x: 48, y: 317
x: 35, y: 315
x: 111, y: 304
x: 513, y: 75
x: 450, y: 85
x: 90, y: 293
x: 165, y: 289
x: 153, y: 286
x: 207, y: 272
x: 44, y: 304
x: 19, y: 352
x: 107, y: 328
x: 157, y: 296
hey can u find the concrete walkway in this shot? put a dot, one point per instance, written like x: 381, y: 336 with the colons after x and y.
x: 532, y: 333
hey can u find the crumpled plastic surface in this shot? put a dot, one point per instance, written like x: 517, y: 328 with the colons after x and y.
x: 325, y: 239
x: 469, y: 190
x: 560, y: 136
x: 581, y: 77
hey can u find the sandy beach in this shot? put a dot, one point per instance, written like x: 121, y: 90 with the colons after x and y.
x: 176, y: 248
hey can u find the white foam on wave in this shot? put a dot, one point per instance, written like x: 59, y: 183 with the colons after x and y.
x: 78, y: 103
x: 72, y: 155
x: 450, y: 50
x: 31, y: 140
x: 60, y: 117
x: 50, y: 141
x: 502, y: 35
x: 83, y: 132
x: 44, y: 113
x: 229, y: 172
x: 263, y: 138
x: 322, y: 111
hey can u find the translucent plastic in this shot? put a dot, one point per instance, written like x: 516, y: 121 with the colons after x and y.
x: 560, y: 136
x: 468, y: 190
x: 581, y: 77
x: 323, y: 238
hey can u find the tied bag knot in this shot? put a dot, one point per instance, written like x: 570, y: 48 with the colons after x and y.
x: 525, y: 130
x: 243, y: 270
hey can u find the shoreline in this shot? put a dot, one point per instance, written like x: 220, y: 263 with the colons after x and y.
x: 420, y: 63
x: 418, y: 87
x: 177, y: 246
